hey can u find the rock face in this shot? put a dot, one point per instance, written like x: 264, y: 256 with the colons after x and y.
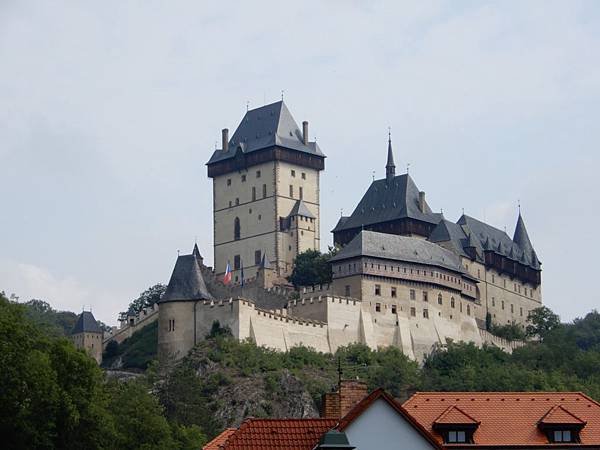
x: 277, y: 395
x: 252, y: 397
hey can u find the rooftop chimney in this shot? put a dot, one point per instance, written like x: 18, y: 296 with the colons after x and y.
x: 338, y: 404
x: 422, y: 201
x: 225, y: 135
x: 305, y: 132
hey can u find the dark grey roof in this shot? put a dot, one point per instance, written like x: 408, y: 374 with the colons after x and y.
x: 86, y: 323
x: 264, y: 127
x: 452, y: 234
x: 264, y: 262
x: 300, y: 209
x: 386, y: 200
x: 521, y: 238
x: 483, y: 235
x: 186, y: 282
x: 400, y: 248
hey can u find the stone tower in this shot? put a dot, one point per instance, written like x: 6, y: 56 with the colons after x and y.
x: 87, y: 334
x: 265, y: 193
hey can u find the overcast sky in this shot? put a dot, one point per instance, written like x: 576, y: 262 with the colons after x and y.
x: 109, y: 111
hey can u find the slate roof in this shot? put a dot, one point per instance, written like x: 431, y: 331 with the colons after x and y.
x: 300, y: 209
x: 387, y: 200
x: 86, y: 323
x: 452, y: 234
x: 485, y: 236
x: 507, y: 418
x: 186, y: 282
x: 264, y: 127
x: 399, y: 248
x: 289, y: 434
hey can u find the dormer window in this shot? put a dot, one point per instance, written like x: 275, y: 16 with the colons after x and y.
x: 562, y: 436
x: 456, y: 437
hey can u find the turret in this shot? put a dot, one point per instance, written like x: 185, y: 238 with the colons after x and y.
x: 390, y: 167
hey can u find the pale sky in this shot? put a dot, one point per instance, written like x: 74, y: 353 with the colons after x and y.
x: 109, y: 111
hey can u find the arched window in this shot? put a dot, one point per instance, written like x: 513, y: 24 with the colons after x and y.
x: 452, y: 302
x: 440, y: 299
x: 236, y: 229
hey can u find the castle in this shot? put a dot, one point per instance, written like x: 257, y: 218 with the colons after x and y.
x: 404, y: 275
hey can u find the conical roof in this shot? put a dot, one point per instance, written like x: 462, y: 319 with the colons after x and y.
x: 521, y: 238
x: 390, y: 167
x: 187, y: 282
x: 86, y: 323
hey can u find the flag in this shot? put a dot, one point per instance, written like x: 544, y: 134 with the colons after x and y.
x: 227, y: 276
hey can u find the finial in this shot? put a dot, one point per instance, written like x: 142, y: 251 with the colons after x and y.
x: 389, y: 134
x: 195, y: 240
x: 463, y: 211
x: 341, y: 212
x: 177, y: 252
x: 373, y: 175
x: 282, y: 92
x: 519, y: 205
x: 247, y: 105
x: 407, y: 167
x: 215, y: 145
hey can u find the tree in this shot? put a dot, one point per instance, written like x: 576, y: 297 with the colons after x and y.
x: 312, y: 267
x: 147, y: 298
x: 541, y: 321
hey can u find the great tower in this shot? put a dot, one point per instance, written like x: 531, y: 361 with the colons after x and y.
x: 266, y: 204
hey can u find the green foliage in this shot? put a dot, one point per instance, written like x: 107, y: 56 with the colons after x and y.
x: 541, y: 321
x: 311, y: 268
x: 54, y: 396
x: 147, y: 298
x: 216, y: 330
x: 511, y: 331
x: 136, y: 351
x: 55, y: 323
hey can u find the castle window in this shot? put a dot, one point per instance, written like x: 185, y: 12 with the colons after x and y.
x: 236, y: 229
x: 293, y: 173
x: 413, y: 311
x: 394, y: 309
x: 291, y: 191
x: 394, y: 293
x: 237, y: 201
x: 502, y: 304
x: 347, y: 290
x: 257, y: 257
x: 303, y: 175
x: 478, y: 273
x: 440, y: 299
x: 378, y: 307
x: 468, y: 310
x: 521, y: 312
x: 243, y: 178
x: 426, y: 314
x: 493, y: 302
x: 228, y: 181
x: 264, y: 190
x: 259, y: 216
x: 531, y: 293
x: 493, y: 280
x: 378, y: 289
x: 230, y: 204
x: 301, y: 192
x: 504, y: 283
x: 253, y: 193
x: 237, y: 262
x: 512, y: 308
x: 425, y: 299
x: 249, y: 210
x: 452, y: 302
x: 258, y: 174
x: 460, y: 306
x: 413, y: 296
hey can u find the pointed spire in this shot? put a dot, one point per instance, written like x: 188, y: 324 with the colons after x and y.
x: 197, y: 254
x: 486, y: 244
x: 521, y: 238
x: 390, y: 167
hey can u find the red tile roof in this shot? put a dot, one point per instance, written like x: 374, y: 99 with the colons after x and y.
x: 455, y: 415
x: 289, y: 434
x: 217, y: 443
x: 365, y: 403
x: 558, y: 415
x: 509, y: 418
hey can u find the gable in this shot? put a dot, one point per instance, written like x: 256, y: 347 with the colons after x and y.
x: 381, y: 427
